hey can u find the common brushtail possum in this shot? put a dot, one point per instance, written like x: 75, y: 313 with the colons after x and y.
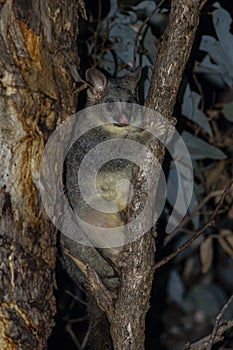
x: 118, y: 120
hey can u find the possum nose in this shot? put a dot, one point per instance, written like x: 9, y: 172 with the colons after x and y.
x: 124, y: 120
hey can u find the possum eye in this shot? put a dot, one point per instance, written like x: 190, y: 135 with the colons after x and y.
x: 130, y: 102
x: 110, y: 105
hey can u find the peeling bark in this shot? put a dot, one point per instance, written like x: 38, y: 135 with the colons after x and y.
x: 38, y: 62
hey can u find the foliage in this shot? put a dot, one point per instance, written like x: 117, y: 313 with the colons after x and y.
x: 112, y: 45
x: 217, y: 65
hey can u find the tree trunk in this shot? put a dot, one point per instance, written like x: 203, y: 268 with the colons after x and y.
x: 38, y: 65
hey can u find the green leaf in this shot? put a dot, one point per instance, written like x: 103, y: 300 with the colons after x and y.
x: 173, y: 186
x: 148, y: 43
x: 122, y: 37
x: 222, y: 23
x: 145, y: 6
x: 219, y: 51
x: 190, y: 109
x: 200, y: 149
x: 107, y: 62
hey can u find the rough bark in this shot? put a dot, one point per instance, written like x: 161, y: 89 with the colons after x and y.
x: 173, y: 54
x: 38, y: 63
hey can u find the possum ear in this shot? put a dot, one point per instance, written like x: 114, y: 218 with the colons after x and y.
x: 132, y: 79
x: 98, y: 82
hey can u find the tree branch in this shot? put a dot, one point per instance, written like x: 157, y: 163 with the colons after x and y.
x: 94, y: 285
x: 173, y: 55
x: 198, y: 233
x: 203, y: 343
x: 213, y: 336
x: 128, y: 321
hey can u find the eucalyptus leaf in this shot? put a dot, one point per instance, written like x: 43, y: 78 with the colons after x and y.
x: 145, y: 6
x: 173, y: 186
x: 214, y: 48
x: 212, y: 72
x: 220, y: 51
x: 126, y: 18
x: 222, y: 23
x: 107, y: 62
x: 179, y: 185
x: 122, y: 36
x: 113, y: 8
x: 218, y: 55
x: 148, y: 43
x: 200, y: 149
x: 190, y: 109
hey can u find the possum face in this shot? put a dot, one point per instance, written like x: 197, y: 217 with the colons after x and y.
x: 119, y: 116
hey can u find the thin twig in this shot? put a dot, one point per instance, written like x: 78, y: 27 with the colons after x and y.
x: 73, y: 337
x: 201, y: 344
x: 75, y: 297
x: 200, y: 91
x: 194, y: 213
x: 79, y: 319
x: 86, y: 338
x: 140, y: 31
x: 198, y: 233
x: 203, y: 2
x: 217, y: 322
